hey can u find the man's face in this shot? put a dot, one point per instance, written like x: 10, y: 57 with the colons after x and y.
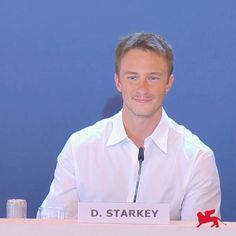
x: 143, y: 80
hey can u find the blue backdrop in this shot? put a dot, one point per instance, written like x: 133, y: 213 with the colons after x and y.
x: 56, y: 77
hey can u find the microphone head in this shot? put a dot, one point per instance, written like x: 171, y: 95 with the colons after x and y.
x: 141, y: 154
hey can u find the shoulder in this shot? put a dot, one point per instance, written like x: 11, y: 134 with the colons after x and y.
x: 97, y: 132
x: 191, y: 144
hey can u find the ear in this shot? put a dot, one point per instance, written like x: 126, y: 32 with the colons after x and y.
x: 170, y: 83
x: 117, y: 82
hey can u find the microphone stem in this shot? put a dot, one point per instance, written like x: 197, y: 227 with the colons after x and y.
x: 137, y: 183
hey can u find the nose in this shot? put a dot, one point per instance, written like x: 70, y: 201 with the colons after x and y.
x: 143, y: 85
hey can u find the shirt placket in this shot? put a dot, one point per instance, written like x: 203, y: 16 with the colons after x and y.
x: 134, y: 170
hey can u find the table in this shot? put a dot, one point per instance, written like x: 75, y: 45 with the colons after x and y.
x: 36, y: 227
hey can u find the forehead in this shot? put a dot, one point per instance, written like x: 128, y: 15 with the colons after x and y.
x: 139, y: 58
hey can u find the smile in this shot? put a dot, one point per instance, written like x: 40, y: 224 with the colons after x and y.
x: 142, y: 100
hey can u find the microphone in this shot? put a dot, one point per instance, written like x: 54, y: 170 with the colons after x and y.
x: 140, y: 160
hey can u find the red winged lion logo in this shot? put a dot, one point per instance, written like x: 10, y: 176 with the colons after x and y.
x: 207, y: 217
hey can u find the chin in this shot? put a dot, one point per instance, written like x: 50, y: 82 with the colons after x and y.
x: 143, y: 114
x: 142, y: 111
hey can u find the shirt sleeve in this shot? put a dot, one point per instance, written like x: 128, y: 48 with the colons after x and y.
x: 203, y: 191
x: 63, y: 191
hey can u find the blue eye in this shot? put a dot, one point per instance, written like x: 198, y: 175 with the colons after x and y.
x: 153, y: 78
x: 132, y: 77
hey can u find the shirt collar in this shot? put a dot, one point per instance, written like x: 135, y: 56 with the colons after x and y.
x: 118, y: 133
x: 160, y: 134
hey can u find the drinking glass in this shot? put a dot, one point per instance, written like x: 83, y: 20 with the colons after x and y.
x: 16, y: 208
x: 51, y: 213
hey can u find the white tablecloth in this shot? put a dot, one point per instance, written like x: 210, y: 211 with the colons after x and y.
x: 35, y: 227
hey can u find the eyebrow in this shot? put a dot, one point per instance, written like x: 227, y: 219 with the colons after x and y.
x: 150, y: 73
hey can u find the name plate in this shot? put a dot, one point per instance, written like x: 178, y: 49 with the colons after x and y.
x: 139, y: 213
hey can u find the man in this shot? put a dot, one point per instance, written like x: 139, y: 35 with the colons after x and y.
x: 99, y: 163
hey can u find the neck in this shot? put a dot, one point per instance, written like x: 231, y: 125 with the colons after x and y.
x: 138, y: 128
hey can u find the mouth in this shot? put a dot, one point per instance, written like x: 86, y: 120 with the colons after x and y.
x: 142, y: 100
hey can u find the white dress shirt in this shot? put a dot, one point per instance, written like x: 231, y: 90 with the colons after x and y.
x: 99, y: 164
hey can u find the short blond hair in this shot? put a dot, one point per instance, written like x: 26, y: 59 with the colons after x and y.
x: 144, y: 41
